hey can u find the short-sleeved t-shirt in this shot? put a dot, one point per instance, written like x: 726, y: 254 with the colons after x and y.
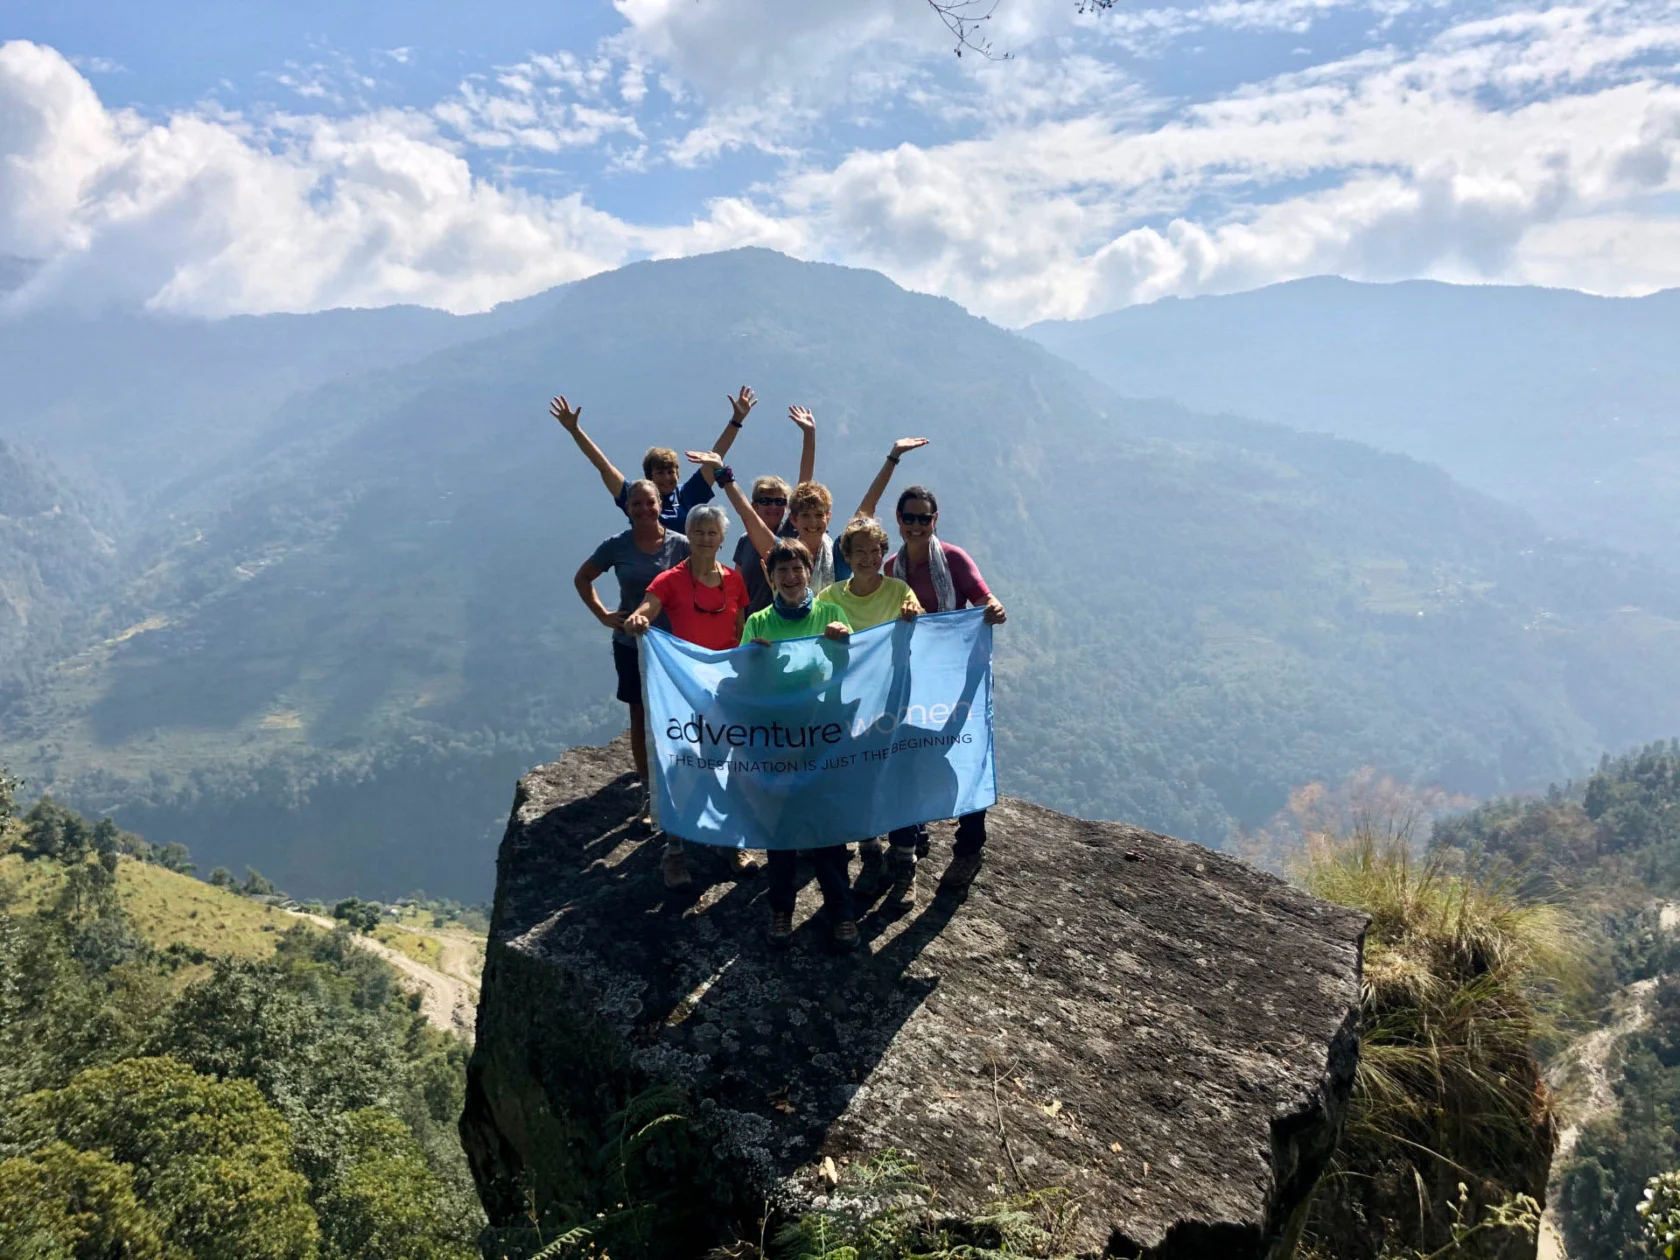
x: 690, y: 606
x: 635, y: 568
x: 966, y: 582
x: 673, y: 509
x: 751, y: 568
x: 769, y: 624
x: 864, y: 611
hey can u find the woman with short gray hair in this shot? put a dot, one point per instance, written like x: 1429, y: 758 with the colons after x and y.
x: 706, y: 604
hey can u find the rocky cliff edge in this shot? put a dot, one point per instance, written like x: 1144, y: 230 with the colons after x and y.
x: 1161, y: 1035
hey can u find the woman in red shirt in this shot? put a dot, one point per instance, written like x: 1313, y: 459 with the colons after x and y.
x: 706, y: 604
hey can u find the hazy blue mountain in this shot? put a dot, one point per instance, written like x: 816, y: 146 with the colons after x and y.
x: 142, y: 403
x: 338, y: 662
x: 1563, y: 403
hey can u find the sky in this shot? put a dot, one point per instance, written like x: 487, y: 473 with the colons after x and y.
x: 232, y: 157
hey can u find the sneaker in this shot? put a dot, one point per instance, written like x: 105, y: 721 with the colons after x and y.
x: 960, y: 874
x: 902, y: 894
x: 781, y: 928
x: 741, y: 862
x: 846, y: 936
x: 674, y: 867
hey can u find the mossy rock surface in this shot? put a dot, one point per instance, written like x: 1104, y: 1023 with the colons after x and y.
x: 1160, y: 1033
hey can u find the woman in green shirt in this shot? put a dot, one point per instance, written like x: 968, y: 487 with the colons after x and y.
x: 796, y: 613
x: 870, y: 598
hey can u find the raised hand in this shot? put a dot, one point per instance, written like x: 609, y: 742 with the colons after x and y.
x: 740, y: 406
x: 905, y: 445
x: 565, y: 413
x: 803, y: 418
x: 706, y: 459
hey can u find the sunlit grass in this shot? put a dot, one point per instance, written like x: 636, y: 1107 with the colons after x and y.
x: 1460, y: 972
x: 167, y: 908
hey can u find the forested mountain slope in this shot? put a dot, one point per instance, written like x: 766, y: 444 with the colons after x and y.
x: 57, y: 557
x: 1561, y: 402
x: 338, y: 670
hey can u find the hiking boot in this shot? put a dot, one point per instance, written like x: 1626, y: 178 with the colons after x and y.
x: 674, y: 867
x: 921, y: 842
x: 741, y: 862
x: 902, y: 894
x: 846, y: 936
x: 781, y: 928
x: 960, y: 874
x: 873, y: 864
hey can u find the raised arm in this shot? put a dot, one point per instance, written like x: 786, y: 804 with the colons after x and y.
x: 878, y: 487
x: 738, y: 408
x: 808, y: 444
x: 568, y: 416
x: 584, y: 580
x: 762, y: 539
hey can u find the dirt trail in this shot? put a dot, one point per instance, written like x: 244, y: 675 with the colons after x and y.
x: 1581, y: 1074
x: 448, y: 997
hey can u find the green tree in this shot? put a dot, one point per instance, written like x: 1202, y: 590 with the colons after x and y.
x: 257, y: 884
x: 8, y: 793
x: 380, y: 1199
x: 221, y: 877
x: 364, y: 916
x: 211, y: 1160
x: 52, y: 831
x: 176, y: 857
x: 57, y: 1202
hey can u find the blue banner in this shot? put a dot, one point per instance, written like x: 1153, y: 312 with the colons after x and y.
x: 815, y: 741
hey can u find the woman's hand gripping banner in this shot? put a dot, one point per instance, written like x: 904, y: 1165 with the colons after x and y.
x: 815, y: 742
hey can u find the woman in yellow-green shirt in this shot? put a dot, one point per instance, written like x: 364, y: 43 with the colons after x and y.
x: 870, y: 598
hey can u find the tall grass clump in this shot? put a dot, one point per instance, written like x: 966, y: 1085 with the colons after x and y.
x: 1449, y: 1117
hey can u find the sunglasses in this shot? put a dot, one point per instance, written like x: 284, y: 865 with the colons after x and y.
x: 917, y: 518
x: 723, y: 600
x: 770, y: 502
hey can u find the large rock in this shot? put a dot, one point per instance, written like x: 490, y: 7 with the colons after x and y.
x: 1163, y: 1032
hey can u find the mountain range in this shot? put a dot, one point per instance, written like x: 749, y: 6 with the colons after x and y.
x: 1563, y: 403
x: 340, y: 621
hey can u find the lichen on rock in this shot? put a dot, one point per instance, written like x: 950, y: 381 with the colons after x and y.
x: 1159, y: 1034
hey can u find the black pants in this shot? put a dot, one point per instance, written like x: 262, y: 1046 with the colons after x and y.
x: 971, y: 835
x: 830, y: 867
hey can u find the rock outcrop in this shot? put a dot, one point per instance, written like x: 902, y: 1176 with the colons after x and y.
x: 1160, y: 1031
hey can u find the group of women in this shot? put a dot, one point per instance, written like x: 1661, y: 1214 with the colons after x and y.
x: 790, y: 579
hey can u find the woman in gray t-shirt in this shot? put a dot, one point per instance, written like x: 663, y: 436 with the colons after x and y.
x: 637, y: 556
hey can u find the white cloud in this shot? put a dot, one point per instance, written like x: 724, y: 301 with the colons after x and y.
x: 1380, y: 166
x: 1537, y: 145
x: 213, y: 215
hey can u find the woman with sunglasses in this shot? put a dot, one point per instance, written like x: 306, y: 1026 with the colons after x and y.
x: 773, y: 513
x: 706, y: 604
x: 944, y: 578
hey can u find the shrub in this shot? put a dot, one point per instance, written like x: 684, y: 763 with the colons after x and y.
x: 1447, y: 1089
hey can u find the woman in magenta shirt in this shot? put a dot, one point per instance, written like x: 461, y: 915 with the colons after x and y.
x: 706, y: 604
x: 944, y: 578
